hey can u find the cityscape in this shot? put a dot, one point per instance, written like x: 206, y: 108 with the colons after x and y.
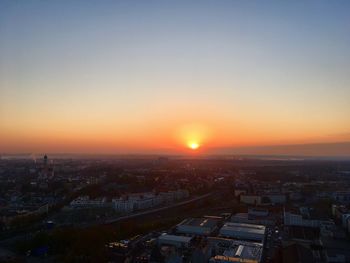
x: 156, y: 131
x: 173, y: 209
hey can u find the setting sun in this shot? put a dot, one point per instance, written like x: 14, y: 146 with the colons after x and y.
x: 193, y: 135
x: 193, y: 145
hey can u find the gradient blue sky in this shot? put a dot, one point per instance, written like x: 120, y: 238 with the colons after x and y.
x: 125, y: 76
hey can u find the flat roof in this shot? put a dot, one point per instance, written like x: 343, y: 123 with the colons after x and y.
x: 237, y: 249
x: 245, y: 215
x: 176, y: 238
x: 250, y: 228
x: 258, y: 209
x: 200, y: 222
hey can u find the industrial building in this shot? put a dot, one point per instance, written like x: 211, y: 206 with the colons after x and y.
x: 258, y: 212
x: 250, y: 199
x: 243, y: 231
x: 247, y: 219
x: 198, y: 226
x: 173, y: 240
x: 229, y: 250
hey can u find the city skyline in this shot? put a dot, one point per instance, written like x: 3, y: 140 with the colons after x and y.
x: 122, y: 77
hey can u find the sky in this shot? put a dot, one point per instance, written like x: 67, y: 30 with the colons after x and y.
x: 157, y: 76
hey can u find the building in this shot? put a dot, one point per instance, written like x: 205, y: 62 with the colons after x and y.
x: 229, y: 250
x: 249, y: 219
x: 144, y: 203
x: 296, y: 219
x: 238, y: 192
x: 123, y: 205
x: 263, y: 199
x: 197, y: 226
x: 345, y: 219
x: 173, y: 240
x: 136, y: 201
x: 181, y: 194
x: 341, y: 214
x: 276, y: 198
x: 250, y: 199
x: 167, y: 197
x: 140, y: 201
x: 258, y: 212
x: 295, y: 196
x: 243, y: 231
x: 121, y: 249
x: 86, y: 202
x: 342, y: 197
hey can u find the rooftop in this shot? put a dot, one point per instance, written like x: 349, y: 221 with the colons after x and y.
x: 200, y: 222
x: 234, y: 250
x: 167, y: 237
x: 251, y: 228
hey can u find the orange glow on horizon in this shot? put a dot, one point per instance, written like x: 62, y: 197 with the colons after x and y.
x: 193, y: 145
x: 177, y: 134
x: 193, y: 135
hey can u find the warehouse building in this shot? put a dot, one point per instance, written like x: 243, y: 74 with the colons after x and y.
x: 243, y: 231
x: 247, y: 219
x: 173, y: 240
x: 229, y: 250
x: 198, y: 226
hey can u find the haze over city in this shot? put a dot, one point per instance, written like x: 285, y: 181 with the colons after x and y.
x: 175, y: 77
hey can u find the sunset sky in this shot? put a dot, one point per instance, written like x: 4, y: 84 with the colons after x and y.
x: 160, y: 76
